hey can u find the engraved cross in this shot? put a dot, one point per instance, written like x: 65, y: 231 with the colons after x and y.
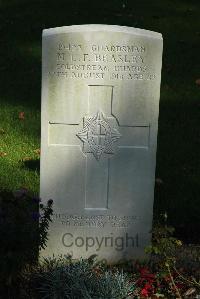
x: 100, y: 138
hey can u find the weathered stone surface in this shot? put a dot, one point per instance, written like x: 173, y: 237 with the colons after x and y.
x: 100, y: 101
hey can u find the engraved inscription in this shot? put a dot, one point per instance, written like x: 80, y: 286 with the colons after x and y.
x: 119, y: 48
x: 98, y: 135
x: 102, y: 62
x: 98, y: 221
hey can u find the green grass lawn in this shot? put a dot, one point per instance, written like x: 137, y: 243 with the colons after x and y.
x: 178, y: 158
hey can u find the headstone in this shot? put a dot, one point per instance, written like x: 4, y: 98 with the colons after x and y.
x: 100, y: 101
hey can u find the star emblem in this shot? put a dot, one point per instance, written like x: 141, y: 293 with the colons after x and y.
x: 98, y: 135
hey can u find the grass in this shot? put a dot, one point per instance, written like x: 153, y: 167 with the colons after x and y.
x: 178, y: 158
x: 19, y: 138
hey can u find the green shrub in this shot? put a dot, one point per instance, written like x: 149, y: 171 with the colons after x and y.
x: 66, y: 279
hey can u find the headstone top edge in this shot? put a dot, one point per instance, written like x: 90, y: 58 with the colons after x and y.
x: 101, y: 27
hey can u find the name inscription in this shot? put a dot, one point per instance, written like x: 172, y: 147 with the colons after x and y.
x: 109, y: 62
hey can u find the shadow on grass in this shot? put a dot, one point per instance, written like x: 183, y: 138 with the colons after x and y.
x: 23, y: 230
x: 19, y: 238
x: 33, y: 165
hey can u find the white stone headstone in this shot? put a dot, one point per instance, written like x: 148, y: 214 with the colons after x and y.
x: 100, y: 103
